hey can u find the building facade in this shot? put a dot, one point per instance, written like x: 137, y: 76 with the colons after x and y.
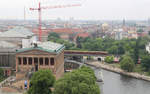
x: 16, y: 35
x: 46, y: 55
x: 7, y: 57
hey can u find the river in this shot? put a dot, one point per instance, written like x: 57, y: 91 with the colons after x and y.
x: 118, y: 84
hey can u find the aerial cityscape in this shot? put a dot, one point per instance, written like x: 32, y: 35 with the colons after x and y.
x: 74, y: 47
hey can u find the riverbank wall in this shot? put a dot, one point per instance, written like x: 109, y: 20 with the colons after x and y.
x: 118, y: 70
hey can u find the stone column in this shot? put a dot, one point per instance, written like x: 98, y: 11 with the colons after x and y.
x: 16, y: 64
x: 27, y: 61
x: 43, y: 61
x: 27, y: 58
x: 21, y: 61
x: 33, y: 63
x: 38, y: 63
x: 49, y: 60
x: 55, y: 65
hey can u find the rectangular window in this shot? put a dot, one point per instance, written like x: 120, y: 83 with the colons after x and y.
x: 36, y: 61
x: 52, y: 61
x: 24, y: 61
x: 46, y: 61
x: 41, y: 61
x: 19, y: 60
x: 30, y: 61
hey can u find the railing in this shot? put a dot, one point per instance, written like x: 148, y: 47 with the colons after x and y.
x: 85, y: 52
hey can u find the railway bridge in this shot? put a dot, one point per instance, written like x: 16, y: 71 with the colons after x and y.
x: 75, y: 58
x: 85, y: 55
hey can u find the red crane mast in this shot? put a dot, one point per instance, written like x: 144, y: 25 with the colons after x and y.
x: 48, y: 7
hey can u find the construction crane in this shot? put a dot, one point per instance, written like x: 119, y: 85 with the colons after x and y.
x: 39, y: 9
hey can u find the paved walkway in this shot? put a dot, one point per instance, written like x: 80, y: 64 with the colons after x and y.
x: 120, y: 71
x: 7, y: 80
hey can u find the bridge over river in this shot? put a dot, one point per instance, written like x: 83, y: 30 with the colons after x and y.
x: 85, y: 53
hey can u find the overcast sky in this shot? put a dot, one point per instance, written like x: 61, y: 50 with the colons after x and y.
x: 90, y: 9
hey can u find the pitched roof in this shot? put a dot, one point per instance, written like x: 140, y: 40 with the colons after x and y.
x: 84, y: 35
x: 45, y: 46
x: 66, y: 30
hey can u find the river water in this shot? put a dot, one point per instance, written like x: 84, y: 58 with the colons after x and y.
x: 118, y: 84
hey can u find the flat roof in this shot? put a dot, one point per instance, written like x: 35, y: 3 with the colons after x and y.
x: 5, y: 44
x: 17, y: 32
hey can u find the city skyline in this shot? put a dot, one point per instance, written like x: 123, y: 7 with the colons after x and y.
x: 90, y: 9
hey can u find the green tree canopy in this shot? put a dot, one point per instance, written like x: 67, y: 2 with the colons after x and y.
x: 146, y: 62
x: 127, y: 63
x: 1, y: 74
x: 81, y: 81
x: 41, y: 82
x: 113, y: 50
x: 109, y: 59
x: 56, y: 38
x: 53, y: 35
x: 140, y: 30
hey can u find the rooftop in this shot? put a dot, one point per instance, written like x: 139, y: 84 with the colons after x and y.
x: 4, y: 44
x: 17, y: 32
x: 45, y: 46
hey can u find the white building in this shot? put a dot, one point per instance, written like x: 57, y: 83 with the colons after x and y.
x: 16, y: 35
x: 148, y: 47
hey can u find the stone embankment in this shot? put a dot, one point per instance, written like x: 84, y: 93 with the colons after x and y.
x: 118, y: 70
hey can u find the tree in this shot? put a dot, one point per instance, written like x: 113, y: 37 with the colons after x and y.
x: 53, y: 34
x: 113, y: 50
x: 136, y: 51
x: 109, y: 59
x: 79, y: 40
x: 41, y: 82
x: 68, y: 46
x: 81, y: 81
x: 140, y: 30
x: 1, y: 74
x: 146, y: 62
x: 120, y: 50
x: 56, y: 38
x: 127, y: 64
x: 149, y: 33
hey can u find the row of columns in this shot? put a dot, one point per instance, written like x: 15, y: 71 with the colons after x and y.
x: 38, y: 60
x: 21, y: 62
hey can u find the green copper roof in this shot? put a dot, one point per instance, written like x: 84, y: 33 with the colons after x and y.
x: 45, y: 46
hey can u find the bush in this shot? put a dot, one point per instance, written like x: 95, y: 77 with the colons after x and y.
x: 1, y: 75
x: 109, y: 59
x: 145, y: 62
x: 41, y: 82
x: 81, y: 81
x: 127, y: 64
